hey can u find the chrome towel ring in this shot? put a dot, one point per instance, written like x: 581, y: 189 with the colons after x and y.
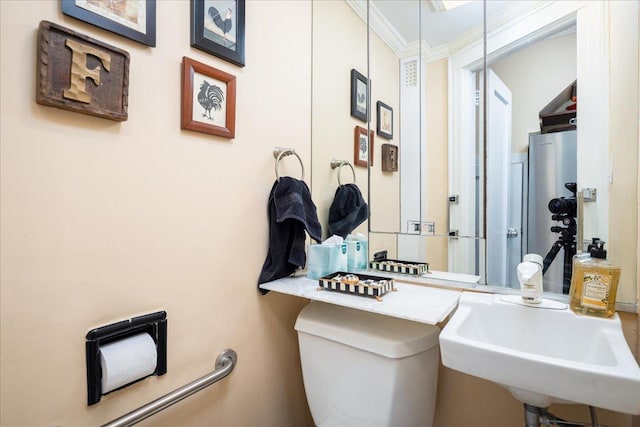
x: 279, y: 153
x: 339, y: 164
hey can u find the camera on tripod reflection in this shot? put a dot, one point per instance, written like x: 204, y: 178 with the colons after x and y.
x: 564, y: 208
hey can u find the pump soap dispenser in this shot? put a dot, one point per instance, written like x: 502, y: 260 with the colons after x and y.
x: 594, y: 283
x: 530, y: 278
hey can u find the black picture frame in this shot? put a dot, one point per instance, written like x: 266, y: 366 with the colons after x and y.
x: 360, y: 89
x: 105, y: 19
x: 208, y: 29
x: 384, y: 125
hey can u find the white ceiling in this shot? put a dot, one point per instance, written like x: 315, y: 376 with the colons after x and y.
x: 438, y: 28
x: 445, y: 32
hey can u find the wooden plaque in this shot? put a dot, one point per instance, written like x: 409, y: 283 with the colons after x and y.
x: 389, y: 158
x: 78, y: 73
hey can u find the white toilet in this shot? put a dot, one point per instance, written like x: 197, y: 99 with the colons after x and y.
x: 366, y: 369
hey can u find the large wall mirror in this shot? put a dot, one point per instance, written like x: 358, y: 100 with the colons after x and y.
x: 473, y: 174
x: 339, y: 46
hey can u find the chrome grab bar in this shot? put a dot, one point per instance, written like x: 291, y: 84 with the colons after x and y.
x: 225, y: 363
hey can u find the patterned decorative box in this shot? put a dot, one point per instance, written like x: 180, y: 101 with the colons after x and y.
x: 397, y: 266
x: 360, y: 284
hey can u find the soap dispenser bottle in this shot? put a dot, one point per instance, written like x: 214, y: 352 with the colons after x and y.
x: 594, y: 283
x: 529, y: 273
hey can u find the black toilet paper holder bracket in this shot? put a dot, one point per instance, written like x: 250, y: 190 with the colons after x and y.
x: 155, y: 324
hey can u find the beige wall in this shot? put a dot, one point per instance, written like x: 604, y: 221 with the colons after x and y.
x: 437, y: 172
x: 623, y: 145
x: 464, y: 401
x: 102, y: 221
x: 385, y: 87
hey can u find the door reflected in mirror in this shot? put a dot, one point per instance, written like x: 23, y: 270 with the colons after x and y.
x: 504, y: 203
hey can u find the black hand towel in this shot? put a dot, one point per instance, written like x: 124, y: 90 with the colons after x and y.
x: 347, y: 211
x: 291, y: 212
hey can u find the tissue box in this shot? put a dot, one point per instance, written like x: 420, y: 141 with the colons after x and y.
x: 325, y: 259
x: 365, y: 285
x: 356, y: 254
x: 398, y: 266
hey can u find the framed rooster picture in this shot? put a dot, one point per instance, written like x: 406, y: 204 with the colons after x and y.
x: 208, y: 99
x: 363, y: 147
x: 217, y: 27
x: 359, y: 96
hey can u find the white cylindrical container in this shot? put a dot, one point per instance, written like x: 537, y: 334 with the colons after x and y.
x: 529, y: 273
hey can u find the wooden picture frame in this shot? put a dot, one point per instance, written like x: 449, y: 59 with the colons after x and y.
x: 384, y: 126
x: 359, y: 96
x: 389, y: 158
x: 208, y: 99
x: 219, y: 30
x: 72, y: 79
x: 133, y: 19
x: 362, y: 147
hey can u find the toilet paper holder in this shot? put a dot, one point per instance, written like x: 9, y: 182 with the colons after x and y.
x: 155, y: 324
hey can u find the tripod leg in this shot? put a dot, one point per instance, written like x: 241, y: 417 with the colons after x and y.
x: 569, y: 252
x: 551, y: 256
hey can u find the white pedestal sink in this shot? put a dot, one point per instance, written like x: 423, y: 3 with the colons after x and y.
x: 542, y: 355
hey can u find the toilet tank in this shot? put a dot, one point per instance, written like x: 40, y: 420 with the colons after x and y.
x: 366, y: 369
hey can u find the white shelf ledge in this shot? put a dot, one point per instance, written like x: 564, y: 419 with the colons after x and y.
x: 411, y: 302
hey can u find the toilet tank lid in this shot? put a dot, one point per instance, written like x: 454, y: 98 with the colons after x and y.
x: 384, y: 335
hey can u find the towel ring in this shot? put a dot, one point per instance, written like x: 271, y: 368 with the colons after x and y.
x: 339, y: 164
x: 279, y: 153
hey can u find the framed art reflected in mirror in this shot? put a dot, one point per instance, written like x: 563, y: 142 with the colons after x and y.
x: 359, y: 94
x: 384, y: 126
x: 362, y: 147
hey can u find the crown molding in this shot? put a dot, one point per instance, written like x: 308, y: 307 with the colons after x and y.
x: 510, y: 17
x: 380, y: 25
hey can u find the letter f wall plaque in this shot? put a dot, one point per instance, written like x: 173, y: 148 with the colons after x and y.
x: 78, y: 73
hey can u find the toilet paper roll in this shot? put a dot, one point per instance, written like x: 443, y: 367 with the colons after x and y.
x: 127, y: 360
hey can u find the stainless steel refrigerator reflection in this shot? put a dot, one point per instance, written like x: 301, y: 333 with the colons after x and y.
x: 552, y: 164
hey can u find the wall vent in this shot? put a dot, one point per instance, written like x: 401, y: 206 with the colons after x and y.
x: 411, y: 73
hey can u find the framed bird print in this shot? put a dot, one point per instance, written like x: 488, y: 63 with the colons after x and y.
x: 362, y: 147
x: 359, y: 94
x: 217, y: 27
x: 208, y: 99
x: 384, y: 126
x: 134, y: 19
